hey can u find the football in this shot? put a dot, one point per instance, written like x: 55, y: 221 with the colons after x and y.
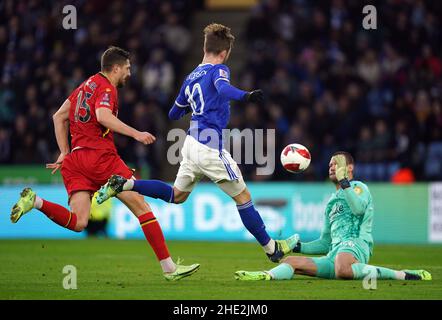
x: 295, y: 158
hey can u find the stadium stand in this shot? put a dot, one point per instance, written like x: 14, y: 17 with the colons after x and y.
x: 329, y: 83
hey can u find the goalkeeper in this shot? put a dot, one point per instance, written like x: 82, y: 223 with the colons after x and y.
x: 345, y: 238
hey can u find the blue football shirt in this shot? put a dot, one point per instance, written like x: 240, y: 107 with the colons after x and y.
x: 210, y: 110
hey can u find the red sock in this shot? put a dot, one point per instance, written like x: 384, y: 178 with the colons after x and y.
x: 60, y: 215
x: 154, y: 235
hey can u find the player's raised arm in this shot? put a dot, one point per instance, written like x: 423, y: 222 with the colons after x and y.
x: 357, y: 198
x: 221, y: 80
x: 61, y: 127
x: 108, y: 120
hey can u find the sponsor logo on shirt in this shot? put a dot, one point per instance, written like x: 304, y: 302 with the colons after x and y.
x: 336, y: 210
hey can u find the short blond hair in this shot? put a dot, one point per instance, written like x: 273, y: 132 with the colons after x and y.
x: 217, y: 38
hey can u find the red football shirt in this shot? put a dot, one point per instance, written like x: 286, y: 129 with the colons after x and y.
x: 86, y: 132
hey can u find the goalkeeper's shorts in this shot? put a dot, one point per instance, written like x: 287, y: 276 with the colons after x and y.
x: 326, y: 265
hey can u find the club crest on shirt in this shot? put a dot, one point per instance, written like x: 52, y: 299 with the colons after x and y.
x: 358, y: 190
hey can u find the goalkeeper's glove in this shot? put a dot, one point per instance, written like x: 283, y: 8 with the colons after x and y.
x: 255, y: 96
x: 341, y: 172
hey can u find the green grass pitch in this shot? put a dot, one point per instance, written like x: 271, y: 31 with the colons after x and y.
x: 127, y: 269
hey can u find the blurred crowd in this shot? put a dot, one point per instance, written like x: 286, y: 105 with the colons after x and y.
x: 333, y: 85
x: 329, y: 84
x: 41, y: 63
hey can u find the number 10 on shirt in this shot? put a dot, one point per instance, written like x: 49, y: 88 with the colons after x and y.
x: 198, y: 108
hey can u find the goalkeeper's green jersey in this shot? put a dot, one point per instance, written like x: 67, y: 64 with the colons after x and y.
x: 348, y: 215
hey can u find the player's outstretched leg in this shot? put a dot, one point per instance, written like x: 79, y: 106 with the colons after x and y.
x: 252, y: 275
x: 283, y: 271
x: 417, y: 275
x: 250, y: 217
x: 154, y: 235
x: 361, y: 270
x: 24, y: 204
x: 151, y: 188
x: 60, y: 215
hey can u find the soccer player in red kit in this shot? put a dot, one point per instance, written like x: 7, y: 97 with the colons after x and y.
x: 90, y: 114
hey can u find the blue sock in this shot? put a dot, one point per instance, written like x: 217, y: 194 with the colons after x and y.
x: 282, y: 272
x: 155, y: 189
x: 253, y: 222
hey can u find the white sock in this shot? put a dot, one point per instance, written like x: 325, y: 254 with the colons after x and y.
x: 270, y: 247
x: 38, y: 202
x: 128, y: 185
x: 168, y: 265
x: 400, y: 275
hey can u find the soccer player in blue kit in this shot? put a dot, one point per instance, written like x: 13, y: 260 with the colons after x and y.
x: 206, y: 92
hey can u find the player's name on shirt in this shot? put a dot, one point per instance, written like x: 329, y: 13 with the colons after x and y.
x: 195, y: 75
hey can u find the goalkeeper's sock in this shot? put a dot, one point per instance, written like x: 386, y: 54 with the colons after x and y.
x: 154, y: 235
x: 151, y: 188
x: 282, y: 272
x: 362, y: 270
x: 253, y: 222
x: 59, y: 214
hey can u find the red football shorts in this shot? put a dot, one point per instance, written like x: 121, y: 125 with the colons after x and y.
x: 88, y: 169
